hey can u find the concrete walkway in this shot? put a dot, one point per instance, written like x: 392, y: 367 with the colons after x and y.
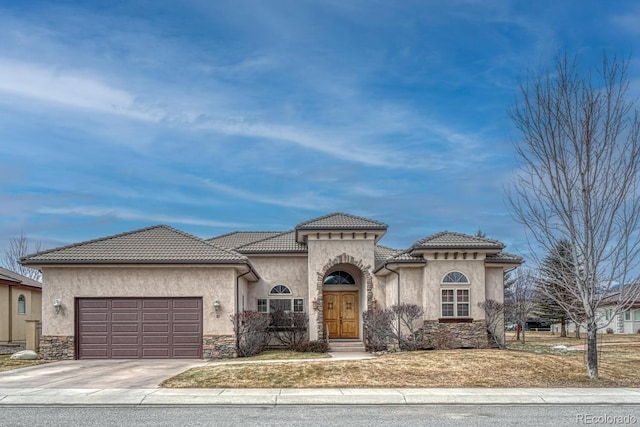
x: 342, y: 396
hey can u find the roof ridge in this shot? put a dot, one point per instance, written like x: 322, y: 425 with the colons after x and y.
x: 266, y: 238
x: 242, y: 231
x: 456, y: 233
x: 191, y: 236
x: 100, y: 239
x: 339, y: 213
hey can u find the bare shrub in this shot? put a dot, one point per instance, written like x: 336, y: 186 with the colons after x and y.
x: 408, y: 319
x: 290, y: 329
x: 442, y: 340
x: 377, y: 329
x: 252, y: 332
x: 312, y: 347
x: 494, y: 315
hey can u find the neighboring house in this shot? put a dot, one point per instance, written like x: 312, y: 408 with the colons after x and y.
x: 625, y: 322
x: 20, y: 300
x: 159, y: 292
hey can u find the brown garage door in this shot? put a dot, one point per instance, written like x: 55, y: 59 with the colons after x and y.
x: 139, y: 328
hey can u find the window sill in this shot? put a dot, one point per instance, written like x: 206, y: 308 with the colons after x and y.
x: 455, y: 320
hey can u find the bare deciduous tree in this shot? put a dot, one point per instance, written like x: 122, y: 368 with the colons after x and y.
x: 19, y: 247
x: 579, y: 179
x: 494, y: 314
x: 521, y: 304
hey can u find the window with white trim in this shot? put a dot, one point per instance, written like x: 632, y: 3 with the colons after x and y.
x: 455, y: 302
x: 278, y: 301
x: 636, y: 315
x: 454, y: 295
x: 627, y: 315
x: 22, y: 305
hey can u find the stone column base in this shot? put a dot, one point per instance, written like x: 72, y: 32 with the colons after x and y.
x: 219, y: 346
x: 57, y: 347
x: 455, y: 335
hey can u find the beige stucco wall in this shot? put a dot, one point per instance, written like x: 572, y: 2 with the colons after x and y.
x: 290, y: 271
x: 495, y: 284
x: 434, y: 272
x: 323, y: 250
x: 209, y: 282
x: 4, y: 313
x: 9, y: 316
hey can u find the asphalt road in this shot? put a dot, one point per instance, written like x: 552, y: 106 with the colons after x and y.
x: 439, y: 415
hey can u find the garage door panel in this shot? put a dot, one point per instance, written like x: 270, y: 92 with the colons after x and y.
x: 156, y: 327
x: 93, y: 339
x: 187, y: 303
x: 125, y: 327
x: 125, y: 352
x: 186, y: 339
x: 124, y: 303
x: 155, y: 317
x: 93, y: 303
x: 186, y: 317
x: 93, y: 316
x: 155, y: 339
x: 186, y: 327
x: 163, y: 304
x: 139, y: 328
x: 125, y: 340
x: 95, y: 353
x: 127, y: 316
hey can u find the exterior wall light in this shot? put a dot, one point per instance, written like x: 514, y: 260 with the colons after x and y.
x: 57, y: 305
x: 217, y: 306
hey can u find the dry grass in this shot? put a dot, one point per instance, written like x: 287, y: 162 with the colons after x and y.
x: 286, y: 354
x: 6, y: 363
x: 532, y: 365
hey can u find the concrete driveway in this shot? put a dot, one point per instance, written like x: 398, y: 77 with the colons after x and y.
x: 96, y: 374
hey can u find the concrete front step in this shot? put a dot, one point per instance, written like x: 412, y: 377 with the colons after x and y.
x: 350, y: 346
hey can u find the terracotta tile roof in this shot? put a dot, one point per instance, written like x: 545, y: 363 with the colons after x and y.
x: 341, y: 221
x: 282, y: 243
x: 504, y: 258
x: 451, y: 240
x: 12, y: 276
x: 383, y: 253
x: 154, y: 245
x: 236, y: 239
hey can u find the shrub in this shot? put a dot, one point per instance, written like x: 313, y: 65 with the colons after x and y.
x: 252, y: 332
x: 377, y: 329
x: 407, y: 317
x: 609, y: 330
x: 312, y: 347
x: 290, y: 329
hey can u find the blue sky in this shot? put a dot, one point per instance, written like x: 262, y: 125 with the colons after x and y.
x: 256, y: 115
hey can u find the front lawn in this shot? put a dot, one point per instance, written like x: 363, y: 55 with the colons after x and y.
x: 530, y: 365
x: 6, y: 363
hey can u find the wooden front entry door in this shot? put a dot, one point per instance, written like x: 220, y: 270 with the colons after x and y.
x: 340, y: 311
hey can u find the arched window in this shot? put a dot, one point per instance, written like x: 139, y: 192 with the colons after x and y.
x: 280, y: 290
x: 339, y: 278
x: 279, y: 299
x: 455, y: 277
x: 454, y: 295
x: 22, y: 304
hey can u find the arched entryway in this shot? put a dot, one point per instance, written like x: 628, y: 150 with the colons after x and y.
x: 347, y: 297
x: 341, y: 311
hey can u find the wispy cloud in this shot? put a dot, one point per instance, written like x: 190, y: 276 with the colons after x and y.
x: 307, y: 200
x: 92, y: 211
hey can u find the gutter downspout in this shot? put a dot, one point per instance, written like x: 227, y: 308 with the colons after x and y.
x: 250, y: 270
x: 385, y: 266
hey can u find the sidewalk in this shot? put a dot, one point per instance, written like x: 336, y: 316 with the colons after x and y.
x: 344, y: 396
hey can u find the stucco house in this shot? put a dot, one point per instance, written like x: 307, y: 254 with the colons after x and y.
x: 159, y: 292
x: 20, y: 300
